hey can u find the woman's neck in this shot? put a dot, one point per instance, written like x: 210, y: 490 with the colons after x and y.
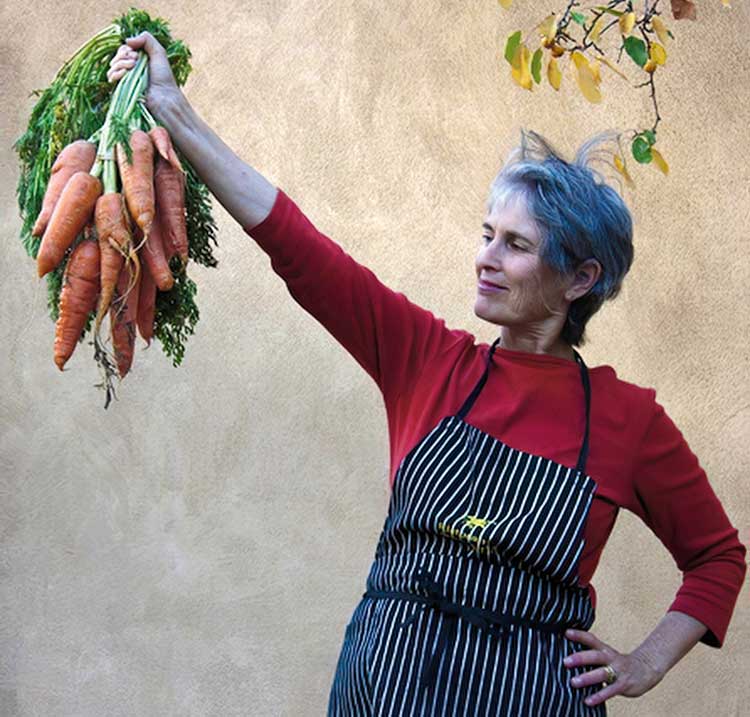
x: 535, y: 343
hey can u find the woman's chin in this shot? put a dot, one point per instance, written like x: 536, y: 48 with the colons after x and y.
x: 481, y: 311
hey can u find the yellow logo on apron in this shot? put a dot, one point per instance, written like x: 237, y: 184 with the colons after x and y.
x: 469, y: 529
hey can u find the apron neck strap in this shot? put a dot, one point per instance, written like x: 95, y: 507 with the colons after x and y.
x: 469, y: 402
x: 583, y: 455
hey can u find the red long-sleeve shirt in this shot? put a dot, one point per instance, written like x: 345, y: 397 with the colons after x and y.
x: 533, y: 402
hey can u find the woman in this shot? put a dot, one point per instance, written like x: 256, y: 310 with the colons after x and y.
x: 509, y: 462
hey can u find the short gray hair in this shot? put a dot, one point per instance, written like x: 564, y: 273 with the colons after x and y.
x: 578, y: 215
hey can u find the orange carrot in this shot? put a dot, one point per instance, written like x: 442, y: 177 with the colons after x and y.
x: 123, y: 314
x: 163, y: 143
x: 112, y: 226
x: 170, y: 204
x: 77, y: 298
x: 78, y: 156
x: 153, y: 256
x: 138, y: 179
x: 146, y: 304
x: 72, y: 212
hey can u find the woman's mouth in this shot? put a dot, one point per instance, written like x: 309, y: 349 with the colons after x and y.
x: 485, y: 288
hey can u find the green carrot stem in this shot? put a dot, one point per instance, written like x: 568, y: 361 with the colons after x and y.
x: 110, y: 177
x: 136, y: 87
x: 147, y: 116
x: 82, y: 51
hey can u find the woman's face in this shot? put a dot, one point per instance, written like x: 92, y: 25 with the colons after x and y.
x: 508, y: 256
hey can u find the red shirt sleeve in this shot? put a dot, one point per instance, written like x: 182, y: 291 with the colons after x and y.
x: 388, y: 335
x: 675, y: 500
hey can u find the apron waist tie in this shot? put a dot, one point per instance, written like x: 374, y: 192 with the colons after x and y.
x: 488, y: 621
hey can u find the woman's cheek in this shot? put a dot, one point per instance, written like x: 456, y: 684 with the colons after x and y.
x: 522, y: 300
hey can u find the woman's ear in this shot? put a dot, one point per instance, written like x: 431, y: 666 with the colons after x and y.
x: 587, y: 274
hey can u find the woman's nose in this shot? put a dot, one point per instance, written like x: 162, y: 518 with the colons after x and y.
x: 490, y: 255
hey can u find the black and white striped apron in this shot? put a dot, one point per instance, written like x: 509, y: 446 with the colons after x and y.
x: 474, y: 580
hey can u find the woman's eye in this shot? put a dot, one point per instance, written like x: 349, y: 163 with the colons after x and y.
x: 512, y: 243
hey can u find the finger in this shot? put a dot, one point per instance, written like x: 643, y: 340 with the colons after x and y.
x: 124, y: 52
x: 116, y: 62
x: 585, y: 637
x: 604, y: 694
x: 124, y: 64
x: 590, y: 677
x: 115, y: 74
x: 136, y: 42
x: 586, y: 657
x: 120, y: 68
x: 147, y: 42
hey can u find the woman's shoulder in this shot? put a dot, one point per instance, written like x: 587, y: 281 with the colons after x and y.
x: 610, y: 375
x: 636, y: 399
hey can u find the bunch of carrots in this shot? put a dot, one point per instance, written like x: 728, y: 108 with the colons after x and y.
x: 128, y: 260
x: 138, y: 230
x: 113, y: 218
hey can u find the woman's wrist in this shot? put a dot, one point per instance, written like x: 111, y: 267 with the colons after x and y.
x: 675, y: 635
x: 175, y: 112
x: 656, y: 663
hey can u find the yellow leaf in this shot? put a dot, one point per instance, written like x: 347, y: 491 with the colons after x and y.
x: 515, y: 61
x: 520, y: 66
x: 657, y: 53
x: 588, y: 86
x: 659, y: 160
x: 553, y: 73
x: 548, y: 27
x: 661, y: 29
x: 725, y: 3
x: 626, y: 22
x: 585, y: 78
x: 596, y: 29
x: 620, y: 166
x: 505, y: 3
x: 578, y: 58
x: 595, y: 71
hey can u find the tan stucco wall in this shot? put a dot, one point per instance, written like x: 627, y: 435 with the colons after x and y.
x: 198, y: 548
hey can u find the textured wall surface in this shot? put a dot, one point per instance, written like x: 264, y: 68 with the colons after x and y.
x: 197, y: 549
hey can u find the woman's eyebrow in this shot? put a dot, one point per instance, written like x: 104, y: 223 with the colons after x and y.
x: 508, y: 232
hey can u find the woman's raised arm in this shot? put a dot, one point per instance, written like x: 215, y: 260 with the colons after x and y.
x: 391, y: 337
x: 245, y: 193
